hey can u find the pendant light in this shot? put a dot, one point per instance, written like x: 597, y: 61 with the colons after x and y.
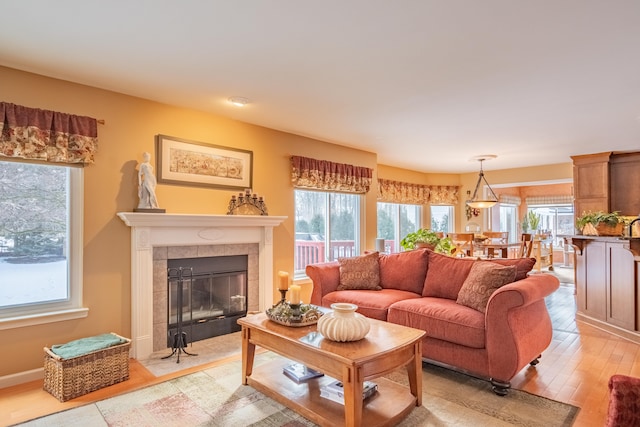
x: 477, y: 201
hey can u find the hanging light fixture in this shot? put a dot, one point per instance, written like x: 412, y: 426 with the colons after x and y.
x: 477, y: 201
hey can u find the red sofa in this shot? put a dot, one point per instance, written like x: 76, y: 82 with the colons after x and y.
x: 419, y: 289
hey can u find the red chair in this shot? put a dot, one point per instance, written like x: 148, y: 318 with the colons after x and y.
x: 624, y: 402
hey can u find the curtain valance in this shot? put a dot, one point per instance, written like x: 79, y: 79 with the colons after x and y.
x: 43, y: 135
x: 549, y: 200
x: 510, y: 200
x: 325, y: 175
x: 417, y: 194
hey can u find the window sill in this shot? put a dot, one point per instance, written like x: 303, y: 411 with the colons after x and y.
x: 42, y: 318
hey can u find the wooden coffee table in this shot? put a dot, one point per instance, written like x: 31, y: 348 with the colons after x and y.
x: 386, y: 348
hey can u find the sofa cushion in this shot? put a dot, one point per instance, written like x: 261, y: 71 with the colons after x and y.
x: 445, y: 275
x: 483, y: 280
x: 523, y: 265
x: 405, y: 271
x: 442, y: 319
x: 360, y: 272
x: 373, y: 304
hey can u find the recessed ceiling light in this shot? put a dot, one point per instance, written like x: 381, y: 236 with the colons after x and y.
x: 239, y: 101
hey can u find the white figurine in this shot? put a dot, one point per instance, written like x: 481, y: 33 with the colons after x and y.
x: 147, y: 184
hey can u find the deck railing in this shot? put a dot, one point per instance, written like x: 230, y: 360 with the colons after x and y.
x: 310, y: 252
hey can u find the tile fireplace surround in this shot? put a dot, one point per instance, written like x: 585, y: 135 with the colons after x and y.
x: 157, y: 230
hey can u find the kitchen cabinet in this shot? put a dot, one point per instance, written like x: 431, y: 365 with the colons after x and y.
x: 607, y: 282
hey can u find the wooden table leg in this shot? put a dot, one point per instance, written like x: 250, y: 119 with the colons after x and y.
x: 414, y: 371
x: 352, y: 385
x: 248, y: 353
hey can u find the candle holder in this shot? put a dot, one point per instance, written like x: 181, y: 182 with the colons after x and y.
x: 283, y: 298
x: 295, y: 311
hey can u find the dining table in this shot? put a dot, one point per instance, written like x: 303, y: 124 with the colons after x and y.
x: 492, y: 249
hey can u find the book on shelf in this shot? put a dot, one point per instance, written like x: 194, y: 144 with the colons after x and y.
x: 299, y: 372
x: 335, y: 391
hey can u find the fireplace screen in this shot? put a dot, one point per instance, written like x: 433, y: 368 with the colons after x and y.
x: 214, y: 296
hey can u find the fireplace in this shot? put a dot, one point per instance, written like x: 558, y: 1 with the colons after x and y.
x: 207, y: 295
x: 156, y: 238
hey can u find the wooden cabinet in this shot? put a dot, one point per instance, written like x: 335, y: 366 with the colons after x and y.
x: 591, y: 182
x: 606, y: 282
x: 607, y: 182
x: 624, y: 179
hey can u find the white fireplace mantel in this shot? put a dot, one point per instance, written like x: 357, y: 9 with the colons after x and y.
x: 160, y: 229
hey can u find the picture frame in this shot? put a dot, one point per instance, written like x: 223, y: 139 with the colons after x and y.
x: 184, y: 162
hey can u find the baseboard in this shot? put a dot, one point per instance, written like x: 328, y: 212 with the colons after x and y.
x: 611, y: 329
x: 22, y: 377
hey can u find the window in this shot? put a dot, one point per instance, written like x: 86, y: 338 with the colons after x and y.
x: 509, y: 221
x: 442, y: 218
x: 326, y: 227
x: 40, y: 243
x: 555, y: 219
x: 396, y: 221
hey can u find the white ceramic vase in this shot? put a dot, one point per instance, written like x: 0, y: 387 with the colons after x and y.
x: 343, y: 323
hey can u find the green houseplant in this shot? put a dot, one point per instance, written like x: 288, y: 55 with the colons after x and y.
x: 427, y: 237
x: 600, y: 223
x: 533, y: 219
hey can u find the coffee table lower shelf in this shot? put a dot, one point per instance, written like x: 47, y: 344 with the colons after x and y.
x: 387, y: 407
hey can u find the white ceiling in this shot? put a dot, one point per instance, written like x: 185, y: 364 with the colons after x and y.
x: 426, y: 84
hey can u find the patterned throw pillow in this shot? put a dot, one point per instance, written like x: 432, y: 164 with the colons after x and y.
x: 483, y: 280
x: 361, y: 272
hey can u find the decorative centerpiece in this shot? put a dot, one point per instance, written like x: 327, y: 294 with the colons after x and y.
x: 292, y: 313
x: 296, y: 315
x: 601, y: 223
x: 343, y: 324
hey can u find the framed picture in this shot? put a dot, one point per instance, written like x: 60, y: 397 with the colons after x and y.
x: 184, y: 162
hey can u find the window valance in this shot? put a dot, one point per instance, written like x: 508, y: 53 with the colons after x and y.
x: 43, y: 135
x: 326, y: 175
x: 510, y: 200
x: 417, y: 194
x: 549, y: 200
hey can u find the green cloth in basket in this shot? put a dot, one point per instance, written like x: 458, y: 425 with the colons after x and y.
x: 86, y: 345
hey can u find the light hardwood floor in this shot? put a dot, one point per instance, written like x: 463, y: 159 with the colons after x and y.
x: 575, y: 369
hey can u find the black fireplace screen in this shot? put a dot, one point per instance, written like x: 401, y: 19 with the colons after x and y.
x: 214, y: 296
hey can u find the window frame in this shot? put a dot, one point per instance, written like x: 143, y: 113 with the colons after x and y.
x: 452, y: 215
x: 396, y: 223
x: 71, y: 308
x: 358, y: 232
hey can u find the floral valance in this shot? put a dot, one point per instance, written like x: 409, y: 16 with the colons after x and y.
x: 42, y: 135
x: 325, y: 175
x: 417, y: 194
x: 443, y: 194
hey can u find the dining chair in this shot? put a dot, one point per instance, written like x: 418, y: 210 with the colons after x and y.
x: 526, y: 245
x: 462, y: 242
x: 497, y: 236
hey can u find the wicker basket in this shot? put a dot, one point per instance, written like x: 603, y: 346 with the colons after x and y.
x: 602, y: 229
x: 69, y: 378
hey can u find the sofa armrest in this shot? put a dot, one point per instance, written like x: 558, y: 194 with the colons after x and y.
x: 325, y: 277
x: 518, y: 327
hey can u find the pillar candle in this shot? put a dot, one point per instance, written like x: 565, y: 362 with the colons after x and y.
x: 284, y: 280
x: 295, y: 294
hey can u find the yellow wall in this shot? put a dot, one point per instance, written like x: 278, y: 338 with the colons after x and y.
x: 111, y: 183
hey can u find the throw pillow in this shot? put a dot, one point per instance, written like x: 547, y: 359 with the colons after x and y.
x: 445, y: 275
x: 361, y: 272
x: 405, y: 271
x: 483, y: 280
x: 523, y: 265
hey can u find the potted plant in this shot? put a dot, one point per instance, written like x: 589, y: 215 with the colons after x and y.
x: 427, y: 238
x: 600, y: 223
x: 533, y: 220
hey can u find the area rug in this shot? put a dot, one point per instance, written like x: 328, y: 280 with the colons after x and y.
x: 215, y: 397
